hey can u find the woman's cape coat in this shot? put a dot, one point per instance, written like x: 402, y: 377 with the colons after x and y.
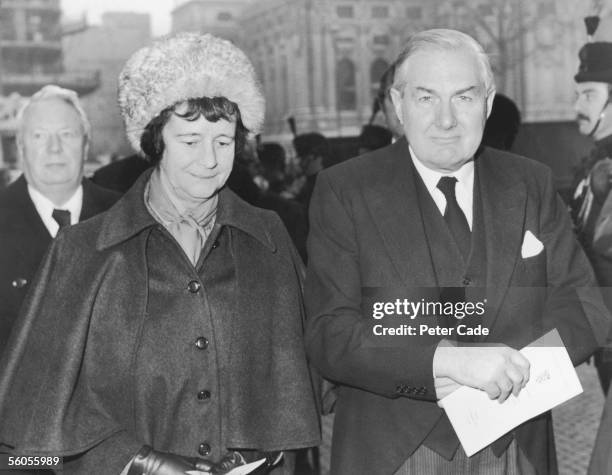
x: 66, y: 381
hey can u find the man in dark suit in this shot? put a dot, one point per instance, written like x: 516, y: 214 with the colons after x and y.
x: 442, y: 224
x: 52, y: 141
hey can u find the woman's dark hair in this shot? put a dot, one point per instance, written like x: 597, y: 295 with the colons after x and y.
x: 212, y: 108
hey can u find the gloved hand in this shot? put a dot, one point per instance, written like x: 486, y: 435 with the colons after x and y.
x: 227, y: 463
x: 235, y: 459
x: 151, y: 462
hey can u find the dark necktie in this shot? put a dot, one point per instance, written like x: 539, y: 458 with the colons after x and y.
x: 454, y: 217
x: 62, y: 217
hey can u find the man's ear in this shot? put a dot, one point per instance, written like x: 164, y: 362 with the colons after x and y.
x: 20, y: 153
x: 396, y: 99
x: 608, y: 97
x: 86, y: 150
x: 490, y: 99
x: 85, y: 156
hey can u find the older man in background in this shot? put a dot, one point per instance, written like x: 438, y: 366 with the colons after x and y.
x: 53, y: 136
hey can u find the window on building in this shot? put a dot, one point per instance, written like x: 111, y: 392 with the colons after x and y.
x: 546, y: 9
x: 285, y: 105
x: 272, y: 94
x: 377, y: 69
x: 414, y: 12
x: 34, y: 27
x: 345, y: 85
x: 381, y: 40
x: 224, y: 16
x: 380, y: 11
x: 345, y: 42
x: 7, y: 26
x: 484, y: 9
x: 345, y: 11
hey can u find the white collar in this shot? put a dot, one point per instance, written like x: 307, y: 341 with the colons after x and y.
x: 464, y: 189
x: 465, y: 174
x: 44, y: 207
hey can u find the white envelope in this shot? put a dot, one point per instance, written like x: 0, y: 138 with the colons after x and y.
x: 242, y: 469
x: 532, y: 246
x: 479, y: 421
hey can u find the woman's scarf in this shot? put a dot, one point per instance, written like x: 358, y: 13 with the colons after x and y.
x: 190, y: 227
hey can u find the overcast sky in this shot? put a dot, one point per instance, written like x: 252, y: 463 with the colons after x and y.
x: 159, y: 10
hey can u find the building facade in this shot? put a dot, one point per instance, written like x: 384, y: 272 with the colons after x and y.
x: 31, y: 56
x: 107, y: 47
x: 320, y: 60
x: 219, y: 17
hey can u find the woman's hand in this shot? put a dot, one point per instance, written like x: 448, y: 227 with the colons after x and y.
x: 151, y: 462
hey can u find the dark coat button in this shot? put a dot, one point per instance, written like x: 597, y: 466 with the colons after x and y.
x: 201, y: 343
x: 194, y: 286
x: 467, y: 281
x: 19, y: 283
x: 203, y: 395
x: 204, y: 449
x: 215, y: 244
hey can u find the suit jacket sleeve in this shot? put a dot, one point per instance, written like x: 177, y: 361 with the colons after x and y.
x: 573, y: 305
x: 338, y: 335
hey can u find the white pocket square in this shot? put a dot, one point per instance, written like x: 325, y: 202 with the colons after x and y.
x: 532, y: 246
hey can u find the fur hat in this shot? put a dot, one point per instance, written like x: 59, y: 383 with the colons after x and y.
x: 187, y: 66
x: 595, y: 62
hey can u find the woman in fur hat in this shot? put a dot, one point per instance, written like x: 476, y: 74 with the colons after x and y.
x: 165, y: 336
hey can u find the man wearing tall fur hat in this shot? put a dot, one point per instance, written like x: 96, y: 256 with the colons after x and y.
x: 165, y: 336
x: 593, y: 181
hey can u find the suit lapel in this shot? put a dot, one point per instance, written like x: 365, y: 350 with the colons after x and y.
x: 393, y: 202
x: 34, y: 235
x: 503, y: 206
x: 30, y: 217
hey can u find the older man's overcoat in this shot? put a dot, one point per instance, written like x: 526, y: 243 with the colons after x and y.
x: 369, y: 234
x: 24, y: 240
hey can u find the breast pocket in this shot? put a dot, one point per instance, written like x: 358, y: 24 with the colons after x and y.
x: 531, y: 270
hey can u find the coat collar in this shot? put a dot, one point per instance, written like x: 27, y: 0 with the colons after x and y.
x: 130, y: 216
